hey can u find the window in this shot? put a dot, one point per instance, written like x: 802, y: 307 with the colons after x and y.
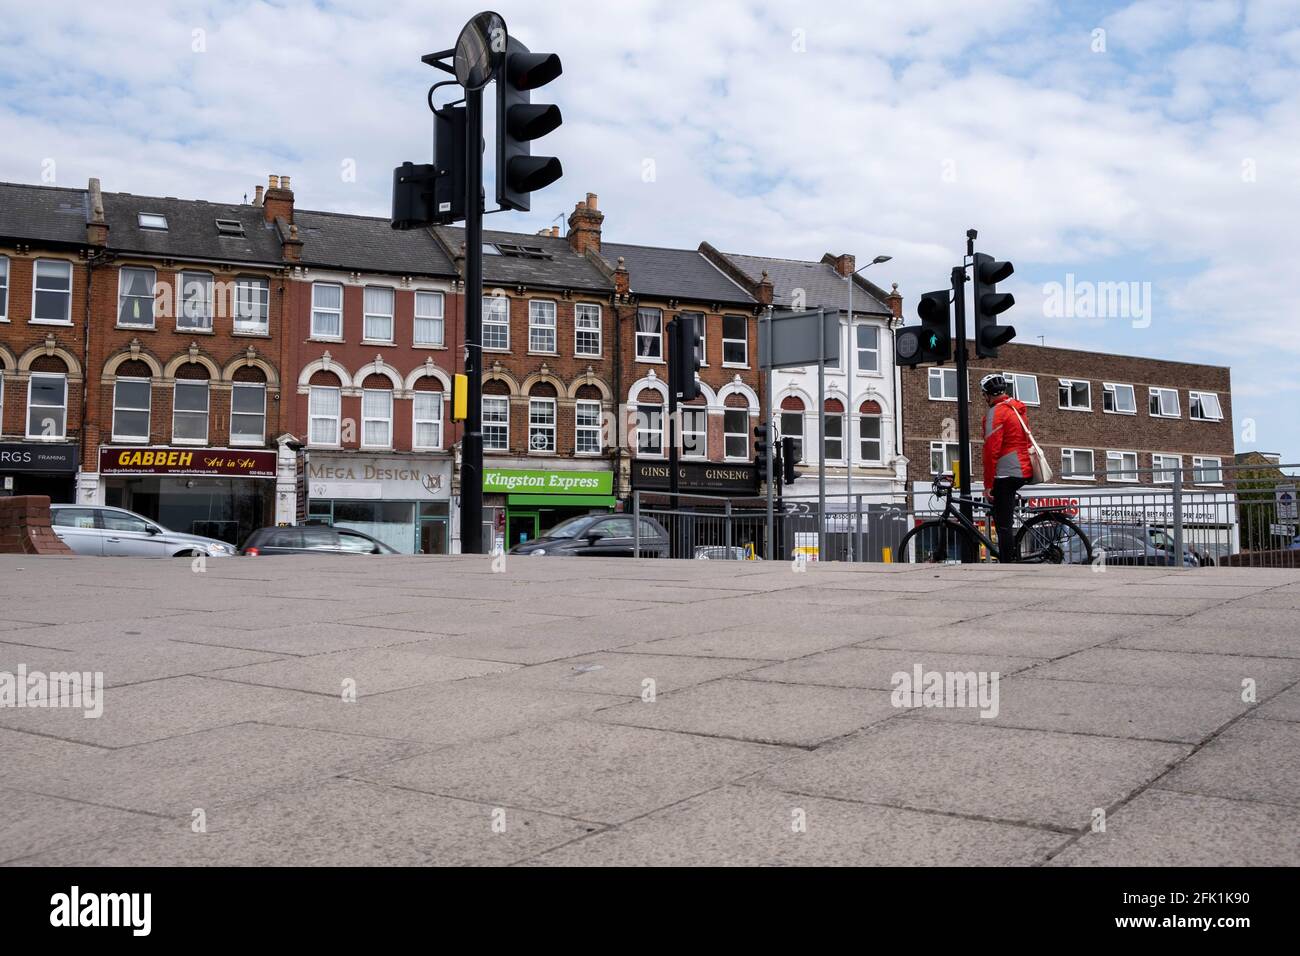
x: 496, y: 322
x: 1075, y: 394
x: 429, y: 328
x: 1076, y: 463
x: 135, y: 297
x: 649, y: 335
x: 131, y: 409
x: 1164, y: 403
x: 377, y: 324
x: 47, y: 405
x: 231, y: 228
x: 701, y: 350
x: 195, y: 313
x: 587, y: 428
x: 650, y: 430
x: 735, y: 428
x: 4, y: 288
x: 869, y: 438
x: 1121, y: 466
x: 735, y: 340
x: 326, y: 311
x: 1022, y: 387
x: 834, y: 436
x: 792, y: 427
x: 377, y: 417
x: 1204, y: 407
x: 426, y: 416
x: 323, y: 410
x: 1207, y: 471
x: 695, y: 433
x: 247, y: 413
x: 496, y: 423
x: 72, y: 517
x: 190, y: 413
x: 541, y: 326
x: 1118, y: 399
x: 1163, y: 468
x: 586, y: 329
x: 944, y: 457
x: 122, y: 521
x: 252, y: 297
x: 152, y: 220
x: 541, y: 424
x: 943, y: 385
x: 868, y: 357
x: 52, y: 292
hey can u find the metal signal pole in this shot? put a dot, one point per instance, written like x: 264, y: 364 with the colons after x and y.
x: 471, y: 455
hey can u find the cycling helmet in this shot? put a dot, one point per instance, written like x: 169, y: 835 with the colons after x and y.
x: 994, y: 384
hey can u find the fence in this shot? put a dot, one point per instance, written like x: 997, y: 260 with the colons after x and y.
x: 1229, y: 515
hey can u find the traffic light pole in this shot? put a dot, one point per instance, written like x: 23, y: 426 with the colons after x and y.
x: 770, y: 418
x: 963, y: 402
x: 471, y: 455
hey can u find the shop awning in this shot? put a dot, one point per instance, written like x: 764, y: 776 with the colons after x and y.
x: 563, y: 501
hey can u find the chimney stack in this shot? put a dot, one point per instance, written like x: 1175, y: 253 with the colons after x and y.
x: 584, y: 226
x: 97, y: 227
x: 257, y: 195
x: 277, y: 203
x: 555, y: 232
x: 895, y: 302
x: 846, y: 265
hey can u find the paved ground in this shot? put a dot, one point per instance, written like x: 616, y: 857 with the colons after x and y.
x: 500, y: 717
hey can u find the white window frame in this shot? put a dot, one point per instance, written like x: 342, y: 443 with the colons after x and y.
x: 390, y: 316
x: 590, y: 407
x: 950, y: 451
x: 36, y: 288
x: 1157, y: 393
x: 940, y: 374
x: 701, y: 433
x: 742, y: 342
x: 797, y: 436
x: 314, y: 416
x: 1068, y: 385
x: 543, y: 327
x: 31, y: 381
x: 583, y: 312
x: 1112, y: 389
x: 417, y: 420
x: 123, y: 295
x: 743, y: 434
x: 842, y: 438
x: 545, y: 427
x: 439, y: 320
x: 157, y: 221
x: 1160, y: 467
x: 147, y: 409
x: 702, y: 323
x: 491, y: 426
x: 1128, y: 474
x: 657, y: 337
x: 662, y: 411
x: 879, y: 440
x: 1069, y: 474
x: 1013, y: 379
x: 492, y: 322
x: 1198, y: 465
x: 4, y: 288
x: 316, y: 333
x: 260, y: 323
x: 1197, y: 399
x: 207, y: 410
x: 206, y: 279
x: 366, y: 420
x: 861, y: 367
x: 261, y: 437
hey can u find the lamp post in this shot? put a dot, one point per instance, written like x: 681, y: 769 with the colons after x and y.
x: 851, y: 438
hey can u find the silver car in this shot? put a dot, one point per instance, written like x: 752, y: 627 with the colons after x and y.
x: 100, y: 530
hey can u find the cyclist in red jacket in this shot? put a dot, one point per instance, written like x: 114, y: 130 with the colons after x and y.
x: 1007, y: 467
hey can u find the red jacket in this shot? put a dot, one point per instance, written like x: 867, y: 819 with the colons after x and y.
x: 1006, y: 446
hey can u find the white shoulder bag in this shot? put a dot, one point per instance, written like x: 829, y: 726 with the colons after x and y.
x: 1037, y: 457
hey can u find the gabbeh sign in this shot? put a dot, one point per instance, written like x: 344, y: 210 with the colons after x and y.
x: 219, y: 462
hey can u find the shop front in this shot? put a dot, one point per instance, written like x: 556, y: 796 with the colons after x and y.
x: 39, y: 468
x: 223, y: 493
x: 740, y: 480
x: 404, y: 502
x: 532, y: 502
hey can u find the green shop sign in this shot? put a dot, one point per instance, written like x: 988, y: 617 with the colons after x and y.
x: 504, y: 481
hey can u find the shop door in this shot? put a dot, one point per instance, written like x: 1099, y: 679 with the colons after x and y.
x: 433, y: 536
x: 520, y: 526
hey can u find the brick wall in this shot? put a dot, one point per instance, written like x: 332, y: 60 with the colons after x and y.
x: 25, y: 527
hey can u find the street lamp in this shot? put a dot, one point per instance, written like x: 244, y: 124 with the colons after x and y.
x: 852, y: 439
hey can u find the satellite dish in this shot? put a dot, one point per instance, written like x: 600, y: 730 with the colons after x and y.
x: 481, y: 50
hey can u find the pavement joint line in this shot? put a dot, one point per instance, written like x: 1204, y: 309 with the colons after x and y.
x: 1245, y: 801
x: 34, y: 647
x: 332, y: 695
x: 94, y: 803
x: 64, y: 740
x: 1108, y: 683
x: 984, y: 725
x: 478, y: 802
x: 278, y: 655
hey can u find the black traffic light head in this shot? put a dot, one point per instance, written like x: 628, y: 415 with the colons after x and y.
x: 519, y: 122
x: 931, y: 341
x: 434, y: 194
x: 761, y: 443
x: 989, y: 304
x: 788, y: 460
x: 684, y: 341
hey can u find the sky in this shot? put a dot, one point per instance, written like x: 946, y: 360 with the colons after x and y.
x: 1149, y: 148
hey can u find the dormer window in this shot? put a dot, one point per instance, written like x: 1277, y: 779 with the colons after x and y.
x: 153, y: 220
x: 230, y: 227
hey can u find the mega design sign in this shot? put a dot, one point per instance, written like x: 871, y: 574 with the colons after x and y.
x: 389, y: 479
x: 209, y: 462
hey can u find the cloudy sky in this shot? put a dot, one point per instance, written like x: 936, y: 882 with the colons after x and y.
x: 1153, y: 143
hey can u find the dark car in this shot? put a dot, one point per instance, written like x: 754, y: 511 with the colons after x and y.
x: 598, y: 536
x: 1132, y: 545
x: 312, y: 539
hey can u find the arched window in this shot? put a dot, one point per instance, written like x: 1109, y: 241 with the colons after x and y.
x: 542, y: 419
x: 792, y: 419
x: 588, y: 438
x: 695, y: 428
x: 496, y: 416
x: 426, y: 414
x: 377, y: 412
x: 834, y: 429
x: 248, y: 406
x: 650, y: 424
x: 132, y: 399
x: 324, y: 408
x: 869, y: 433
x: 735, y: 426
x: 190, y: 403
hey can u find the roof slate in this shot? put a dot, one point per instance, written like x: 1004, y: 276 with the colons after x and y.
x: 368, y: 244
x: 565, y: 269
x: 823, y: 286
x: 674, y: 273
x: 43, y: 213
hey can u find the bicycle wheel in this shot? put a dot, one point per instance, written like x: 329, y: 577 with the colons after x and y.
x: 1052, y: 538
x: 936, y: 541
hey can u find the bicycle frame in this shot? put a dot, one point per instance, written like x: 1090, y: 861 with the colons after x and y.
x: 953, y: 515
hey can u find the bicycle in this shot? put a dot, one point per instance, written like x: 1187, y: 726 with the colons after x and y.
x: 1044, y: 535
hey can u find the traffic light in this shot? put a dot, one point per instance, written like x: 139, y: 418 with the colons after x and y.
x: 931, y: 341
x: 761, y: 442
x: 434, y: 193
x: 519, y: 123
x: 684, y: 340
x: 788, y: 460
x: 989, y: 304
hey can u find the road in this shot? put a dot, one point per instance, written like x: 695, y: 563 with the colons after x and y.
x: 466, y: 711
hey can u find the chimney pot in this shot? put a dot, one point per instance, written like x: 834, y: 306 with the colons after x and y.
x: 555, y: 232
x: 591, y: 201
x: 284, y: 182
x: 257, y: 195
x: 274, y: 182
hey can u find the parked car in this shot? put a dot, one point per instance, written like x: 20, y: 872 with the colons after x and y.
x: 712, y: 552
x: 116, y: 532
x: 312, y: 539
x: 1130, y: 545
x: 598, y: 536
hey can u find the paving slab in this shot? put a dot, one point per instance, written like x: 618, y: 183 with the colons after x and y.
x: 1285, y: 706
x: 1251, y: 760
x: 871, y: 667
x: 1241, y: 636
x: 991, y: 638
x: 751, y: 642
x: 623, y: 675
x: 1122, y: 665
x: 61, y: 822
x: 130, y: 660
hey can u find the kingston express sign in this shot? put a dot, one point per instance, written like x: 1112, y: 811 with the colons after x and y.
x: 219, y: 462
x: 503, y: 481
